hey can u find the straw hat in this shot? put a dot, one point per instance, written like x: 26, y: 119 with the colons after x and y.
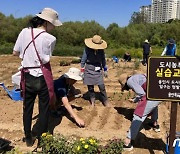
x: 50, y: 15
x: 74, y: 73
x: 123, y: 79
x: 146, y: 41
x: 96, y: 42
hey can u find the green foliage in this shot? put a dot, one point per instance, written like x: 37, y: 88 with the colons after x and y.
x: 64, y: 63
x: 119, y: 52
x: 54, y: 145
x: 69, y: 62
x: 50, y: 144
x: 138, y: 17
x: 114, y: 146
x: 136, y: 64
x: 76, y: 61
x: 157, y: 51
x: 70, y: 36
x: 85, y: 146
x: 64, y: 50
x: 6, y: 48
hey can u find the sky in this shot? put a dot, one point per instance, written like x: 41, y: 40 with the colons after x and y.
x: 105, y: 12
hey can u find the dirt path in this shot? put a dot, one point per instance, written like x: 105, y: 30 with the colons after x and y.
x: 101, y: 122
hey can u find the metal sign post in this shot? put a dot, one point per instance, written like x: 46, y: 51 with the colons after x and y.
x: 163, y: 84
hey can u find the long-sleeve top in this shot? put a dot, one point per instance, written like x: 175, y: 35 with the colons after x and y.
x: 96, y: 58
x: 135, y: 82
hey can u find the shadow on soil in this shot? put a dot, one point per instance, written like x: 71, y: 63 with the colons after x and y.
x: 127, y: 112
x: 144, y: 142
x: 55, y: 119
x: 97, y: 96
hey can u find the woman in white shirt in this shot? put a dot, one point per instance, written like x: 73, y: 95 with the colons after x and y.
x: 34, y: 46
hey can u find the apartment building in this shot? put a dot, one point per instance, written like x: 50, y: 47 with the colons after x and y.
x: 147, y: 12
x: 160, y: 11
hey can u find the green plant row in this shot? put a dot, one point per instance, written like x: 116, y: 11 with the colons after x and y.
x: 60, y: 145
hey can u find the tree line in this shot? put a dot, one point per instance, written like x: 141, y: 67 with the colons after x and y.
x: 70, y: 36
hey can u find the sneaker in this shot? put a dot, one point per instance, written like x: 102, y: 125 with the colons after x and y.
x: 128, y: 147
x: 155, y: 128
x: 29, y: 141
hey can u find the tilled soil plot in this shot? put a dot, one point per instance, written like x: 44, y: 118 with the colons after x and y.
x: 101, y: 122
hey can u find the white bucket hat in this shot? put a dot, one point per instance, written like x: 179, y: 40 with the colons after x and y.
x: 74, y: 73
x: 96, y: 42
x: 50, y: 15
x: 146, y: 41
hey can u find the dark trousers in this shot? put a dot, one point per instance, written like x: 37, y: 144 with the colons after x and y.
x: 145, y: 58
x: 35, y: 86
x: 102, y: 92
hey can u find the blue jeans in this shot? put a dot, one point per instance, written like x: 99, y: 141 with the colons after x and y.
x: 151, y: 107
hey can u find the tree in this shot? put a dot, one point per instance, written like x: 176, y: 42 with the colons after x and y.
x: 138, y: 17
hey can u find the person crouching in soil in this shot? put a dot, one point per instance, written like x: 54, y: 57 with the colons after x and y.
x: 137, y: 83
x: 65, y: 91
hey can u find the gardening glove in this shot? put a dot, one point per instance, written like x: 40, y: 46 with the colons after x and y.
x: 105, y: 72
x: 82, y: 73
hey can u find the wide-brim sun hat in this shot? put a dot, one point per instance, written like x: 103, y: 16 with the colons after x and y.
x: 123, y: 79
x: 50, y: 15
x: 96, y: 42
x: 74, y: 73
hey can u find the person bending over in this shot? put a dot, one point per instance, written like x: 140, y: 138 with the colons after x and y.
x: 144, y: 108
x: 65, y: 91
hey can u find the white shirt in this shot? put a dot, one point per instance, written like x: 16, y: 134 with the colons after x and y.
x: 164, y: 51
x: 45, y: 43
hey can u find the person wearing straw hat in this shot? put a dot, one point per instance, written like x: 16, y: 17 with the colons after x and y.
x: 137, y: 83
x: 170, y: 49
x: 146, y: 51
x: 93, y: 65
x: 34, y: 46
x: 65, y: 92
